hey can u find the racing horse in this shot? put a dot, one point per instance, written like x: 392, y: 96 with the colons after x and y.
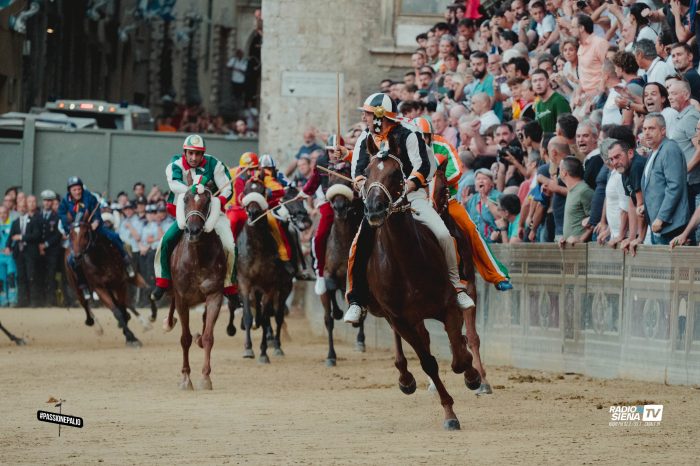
x: 16, y: 340
x: 263, y: 281
x: 347, y: 215
x: 105, y: 274
x: 199, y: 268
x: 408, y: 280
x: 467, y: 272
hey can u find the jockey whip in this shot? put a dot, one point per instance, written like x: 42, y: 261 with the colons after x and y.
x: 328, y: 170
x: 298, y: 196
x: 93, y: 211
x: 245, y: 169
x: 337, y: 87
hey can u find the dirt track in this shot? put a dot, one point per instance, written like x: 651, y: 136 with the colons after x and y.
x: 296, y: 411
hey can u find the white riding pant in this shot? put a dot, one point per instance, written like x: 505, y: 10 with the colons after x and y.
x: 426, y: 214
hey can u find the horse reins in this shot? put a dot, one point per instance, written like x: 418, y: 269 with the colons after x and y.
x: 301, y: 195
x: 395, y: 205
x: 199, y: 213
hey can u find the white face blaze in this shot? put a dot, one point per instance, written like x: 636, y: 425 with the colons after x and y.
x: 196, y: 198
x: 380, y: 165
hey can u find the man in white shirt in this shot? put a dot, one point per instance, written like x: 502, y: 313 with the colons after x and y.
x: 656, y: 70
x: 481, y: 106
x: 239, y: 66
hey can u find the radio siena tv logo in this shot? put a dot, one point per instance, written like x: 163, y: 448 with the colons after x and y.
x: 638, y: 415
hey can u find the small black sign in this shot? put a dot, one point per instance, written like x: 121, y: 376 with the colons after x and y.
x: 61, y: 419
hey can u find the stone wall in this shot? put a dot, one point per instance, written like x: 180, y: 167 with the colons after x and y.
x: 312, y: 36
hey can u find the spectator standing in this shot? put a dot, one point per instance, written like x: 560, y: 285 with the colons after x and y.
x: 483, y: 205
x: 656, y: 70
x: 441, y: 127
x: 664, y: 183
x: 682, y: 58
x: 8, y: 271
x: 551, y: 104
x: 577, y: 206
x: 239, y: 66
x: 25, y: 236
x: 51, y: 248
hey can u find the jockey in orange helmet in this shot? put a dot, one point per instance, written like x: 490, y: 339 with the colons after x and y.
x: 486, y: 263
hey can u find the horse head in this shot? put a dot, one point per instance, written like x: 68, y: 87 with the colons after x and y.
x: 341, y: 197
x: 254, y: 201
x: 298, y: 214
x: 81, y: 236
x: 195, y: 210
x: 385, y: 187
x: 441, y: 191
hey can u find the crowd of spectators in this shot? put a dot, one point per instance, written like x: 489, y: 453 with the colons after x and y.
x: 33, y: 242
x: 575, y: 121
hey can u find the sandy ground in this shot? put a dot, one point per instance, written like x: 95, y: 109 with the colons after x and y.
x: 297, y: 411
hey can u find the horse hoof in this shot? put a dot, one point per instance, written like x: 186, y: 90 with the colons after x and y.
x: 337, y: 314
x: 231, y: 330
x: 186, y: 385
x: 279, y: 352
x: 20, y: 342
x: 431, y: 387
x: 360, y: 347
x: 408, y: 389
x: 473, y: 384
x: 89, y: 321
x: 166, y: 325
x: 484, y: 389
x: 145, y: 323
x: 248, y: 354
x: 135, y: 343
x: 198, y: 340
x: 330, y: 362
x: 452, y: 424
x: 264, y: 359
x: 205, y: 384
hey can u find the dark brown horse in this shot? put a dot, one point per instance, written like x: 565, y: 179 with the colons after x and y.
x: 347, y: 215
x: 16, y: 340
x: 263, y: 281
x: 408, y: 281
x: 467, y: 272
x: 105, y: 274
x: 198, y: 265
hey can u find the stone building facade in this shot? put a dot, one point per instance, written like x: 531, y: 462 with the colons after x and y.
x: 307, y: 42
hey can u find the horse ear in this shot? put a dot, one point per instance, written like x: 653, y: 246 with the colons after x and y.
x: 443, y: 165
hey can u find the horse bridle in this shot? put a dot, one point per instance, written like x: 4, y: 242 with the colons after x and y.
x: 199, y: 213
x: 394, y: 205
x: 91, y: 241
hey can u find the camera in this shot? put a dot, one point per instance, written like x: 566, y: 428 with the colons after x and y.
x: 581, y: 4
x: 515, y: 151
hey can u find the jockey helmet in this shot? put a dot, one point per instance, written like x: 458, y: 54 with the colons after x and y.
x: 382, y: 106
x: 194, y: 142
x: 249, y: 159
x: 75, y: 181
x: 424, y: 125
x: 266, y: 161
x: 333, y: 141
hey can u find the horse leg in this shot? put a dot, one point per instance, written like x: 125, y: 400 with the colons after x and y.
x: 90, y: 318
x: 211, y: 313
x: 337, y: 312
x: 17, y: 341
x: 119, y: 314
x: 248, y: 325
x: 230, y: 328
x: 279, y: 321
x: 360, y: 342
x: 170, y: 321
x: 154, y: 310
x: 198, y: 336
x: 407, y: 382
x: 461, y: 357
x: 430, y: 367
x: 328, y: 320
x: 185, y: 342
x: 474, y: 343
x: 266, y: 327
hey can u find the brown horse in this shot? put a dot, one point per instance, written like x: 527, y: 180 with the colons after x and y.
x: 198, y: 265
x: 408, y: 281
x: 16, y: 340
x: 441, y: 198
x: 105, y: 274
x: 347, y: 215
x: 263, y: 281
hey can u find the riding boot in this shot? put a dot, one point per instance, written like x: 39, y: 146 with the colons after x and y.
x: 157, y: 293
x: 358, y: 288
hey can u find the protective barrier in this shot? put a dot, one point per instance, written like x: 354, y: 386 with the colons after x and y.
x: 107, y: 161
x: 588, y: 310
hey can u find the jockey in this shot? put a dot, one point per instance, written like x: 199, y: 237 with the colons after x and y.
x: 79, y: 200
x: 380, y: 115
x: 184, y: 171
x: 319, y: 181
x: 274, y: 191
x: 486, y: 263
x: 267, y: 165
